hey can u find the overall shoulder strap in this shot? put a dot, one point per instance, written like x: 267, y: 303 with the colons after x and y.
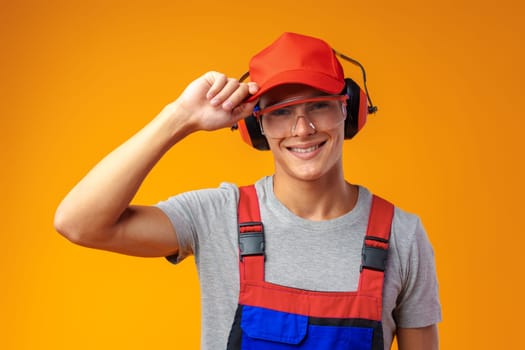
x: 251, y: 235
x: 375, y: 247
x: 377, y: 234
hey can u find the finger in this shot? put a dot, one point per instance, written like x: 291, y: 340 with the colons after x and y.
x: 253, y: 88
x: 227, y: 95
x: 217, y: 81
x: 237, y: 97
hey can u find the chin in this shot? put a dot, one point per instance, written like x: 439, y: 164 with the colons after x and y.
x: 311, y: 172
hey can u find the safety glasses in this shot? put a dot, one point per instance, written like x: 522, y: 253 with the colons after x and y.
x: 320, y: 112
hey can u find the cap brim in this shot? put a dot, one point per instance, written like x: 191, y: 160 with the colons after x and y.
x: 316, y: 80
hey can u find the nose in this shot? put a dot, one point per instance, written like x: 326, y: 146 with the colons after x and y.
x: 302, y: 126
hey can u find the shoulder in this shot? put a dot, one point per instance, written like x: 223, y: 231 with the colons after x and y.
x: 225, y: 193
x: 409, y: 244
x: 207, y: 200
x: 406, y: 226
x: 409, y: 236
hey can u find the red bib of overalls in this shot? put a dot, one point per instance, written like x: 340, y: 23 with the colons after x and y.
x: 276, y: 317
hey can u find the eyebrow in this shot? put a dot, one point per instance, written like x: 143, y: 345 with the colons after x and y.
x: 301, y: 99
x: 296, y: 98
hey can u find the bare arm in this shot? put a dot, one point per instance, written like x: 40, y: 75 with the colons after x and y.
x: 97, y: 212
x: 425, y: 338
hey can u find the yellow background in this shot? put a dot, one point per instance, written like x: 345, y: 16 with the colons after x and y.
x: 79, y: 77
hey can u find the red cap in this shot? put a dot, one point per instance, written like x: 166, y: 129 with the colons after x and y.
x: 299, y: 59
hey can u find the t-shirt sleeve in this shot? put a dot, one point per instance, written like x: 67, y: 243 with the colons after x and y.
x: 191, y: 213
x: 418, y: 303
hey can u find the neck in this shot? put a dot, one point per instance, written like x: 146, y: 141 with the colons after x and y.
x: 316, y: 200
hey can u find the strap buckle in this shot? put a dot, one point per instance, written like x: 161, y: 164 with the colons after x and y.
x: 251, y: 239
x: 374, y: 257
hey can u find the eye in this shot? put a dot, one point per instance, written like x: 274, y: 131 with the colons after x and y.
x: 280, y: 112
x: 318, y: 105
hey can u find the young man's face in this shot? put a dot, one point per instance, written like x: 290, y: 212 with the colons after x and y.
x: 305, y: 137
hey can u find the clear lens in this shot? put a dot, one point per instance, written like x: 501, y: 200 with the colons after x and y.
x: 321, y: 113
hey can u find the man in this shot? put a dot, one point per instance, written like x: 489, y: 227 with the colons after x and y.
x: 305, y: 269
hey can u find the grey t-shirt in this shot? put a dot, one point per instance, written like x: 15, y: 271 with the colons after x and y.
x: 300, y: 253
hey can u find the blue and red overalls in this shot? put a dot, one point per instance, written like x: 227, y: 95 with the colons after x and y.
x: 276, y: 317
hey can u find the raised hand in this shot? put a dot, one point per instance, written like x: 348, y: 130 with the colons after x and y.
x: 214, y: 101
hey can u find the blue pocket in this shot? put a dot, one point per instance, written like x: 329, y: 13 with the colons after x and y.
x: 265, y: 329
x: 274, y: 326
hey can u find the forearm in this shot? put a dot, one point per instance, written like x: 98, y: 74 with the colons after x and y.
x: 97, y: 202
x: 426, y: 338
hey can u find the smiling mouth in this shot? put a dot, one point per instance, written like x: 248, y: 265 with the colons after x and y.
x: 306, y: 150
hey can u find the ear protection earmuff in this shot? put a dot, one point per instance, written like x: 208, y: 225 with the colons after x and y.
x: 358, y: 106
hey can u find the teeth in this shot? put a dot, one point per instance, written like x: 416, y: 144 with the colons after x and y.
x: 304, y: 150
